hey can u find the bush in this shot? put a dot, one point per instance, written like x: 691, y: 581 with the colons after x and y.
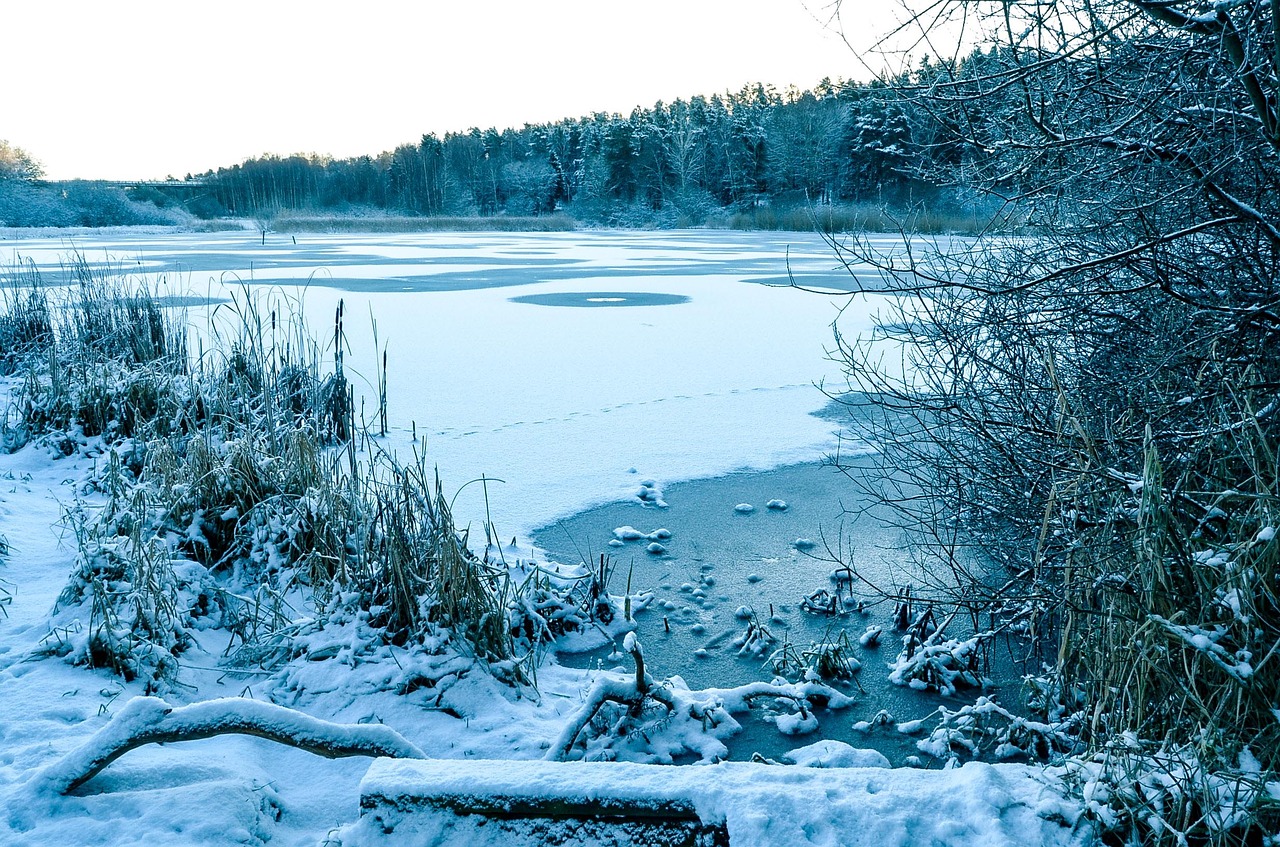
x: 99, y: 205
x: 25, y: 205
x: 233, y: 492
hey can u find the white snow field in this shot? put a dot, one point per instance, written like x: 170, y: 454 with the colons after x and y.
x: 674, y: 365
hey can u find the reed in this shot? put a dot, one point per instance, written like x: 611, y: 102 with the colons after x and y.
x: 230, y: 492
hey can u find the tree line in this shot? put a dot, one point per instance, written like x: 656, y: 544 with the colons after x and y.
x: 678, y: 162
x: 673, y: 164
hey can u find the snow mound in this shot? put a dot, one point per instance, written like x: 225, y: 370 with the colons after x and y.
x: 796, y: 723
x: 830, y: 753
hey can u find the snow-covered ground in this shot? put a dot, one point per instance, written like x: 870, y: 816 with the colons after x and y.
x: 569, y: 405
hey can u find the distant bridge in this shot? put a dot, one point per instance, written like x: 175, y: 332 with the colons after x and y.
x: 172, y: 184
x: 168, y: 184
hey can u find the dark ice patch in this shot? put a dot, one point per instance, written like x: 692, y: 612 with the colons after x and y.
x: 601, y: 299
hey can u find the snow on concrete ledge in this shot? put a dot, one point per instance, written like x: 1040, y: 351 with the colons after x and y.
x: 475, y: 802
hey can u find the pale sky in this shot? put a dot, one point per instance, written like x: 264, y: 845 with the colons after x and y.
x: 138, y: 89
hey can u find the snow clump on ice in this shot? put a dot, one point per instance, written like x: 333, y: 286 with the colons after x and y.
x: 830, y: 753
x: 650, y: 493
x: 797, y: 723
x: 744, y: 508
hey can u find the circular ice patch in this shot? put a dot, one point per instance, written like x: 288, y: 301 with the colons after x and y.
x: 601, y: 299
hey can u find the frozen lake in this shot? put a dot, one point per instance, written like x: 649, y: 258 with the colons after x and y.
x: 568, y: 365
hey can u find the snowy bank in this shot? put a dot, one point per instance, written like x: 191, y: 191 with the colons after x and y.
x: 409, y: 802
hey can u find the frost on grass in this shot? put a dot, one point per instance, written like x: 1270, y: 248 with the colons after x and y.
x: 226, y: 494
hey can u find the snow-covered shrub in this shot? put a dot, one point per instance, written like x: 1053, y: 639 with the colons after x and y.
x: 23, y: 204
x: 99, y: 205
x: 558, y: 601
x: 939, y: 663
x: 986, y: 728
x: 219, y: 499
x: 1161, y: 794
x: 637, y: 719
x: 829, y: 659
x: 122, y: 609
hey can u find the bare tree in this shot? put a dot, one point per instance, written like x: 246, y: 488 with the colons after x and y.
x: 1093, y: 405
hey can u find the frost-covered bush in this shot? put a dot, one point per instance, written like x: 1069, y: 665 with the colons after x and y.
x: 226, y: 493
x: 636, y: 719
x: 25, y: 205
x: 939, y: 663
x: 1164, y: 794
x: 571, y: 605
x: 99, y: 205
x: 79, y: 203
x: 986, y: 728
x: 1081, y: 426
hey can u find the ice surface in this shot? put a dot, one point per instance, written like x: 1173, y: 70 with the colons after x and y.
x: 558, y: 402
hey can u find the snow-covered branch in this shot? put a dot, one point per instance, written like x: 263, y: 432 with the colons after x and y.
x: 150, y: 720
